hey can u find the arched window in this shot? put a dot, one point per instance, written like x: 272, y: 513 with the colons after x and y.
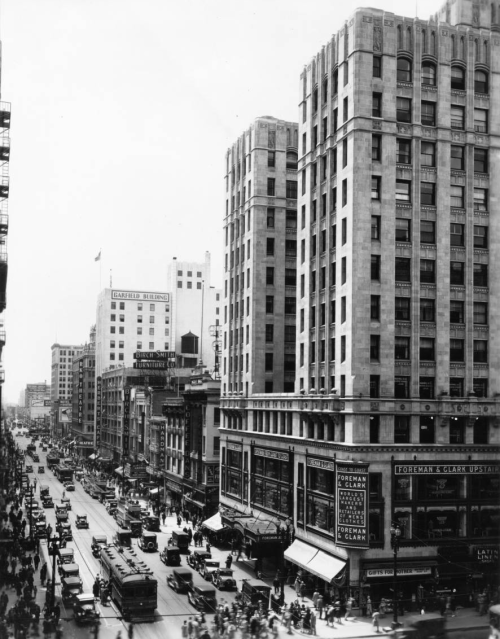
x: 433, y: 43
x: 409, y: 39
x: 404, y: 70
x: 291, y: 159
x: 429, y: 74
x: 400, y: 37
x: 458, y: 78
x: 480, y: 81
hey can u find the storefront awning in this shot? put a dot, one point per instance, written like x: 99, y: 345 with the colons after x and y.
x: 119, y: 471
x: 214, y: 523
x: 300, y: 553
x: 317, y: 562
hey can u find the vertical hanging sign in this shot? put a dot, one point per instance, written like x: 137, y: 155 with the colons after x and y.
x: 80, y: 394
x: 352, y: 504
x: 126, y: 421
x: 161, y: 456
x: 187, y: 443
x: 98, y: 413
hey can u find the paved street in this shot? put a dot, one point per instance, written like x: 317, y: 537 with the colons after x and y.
x: 173, y: 608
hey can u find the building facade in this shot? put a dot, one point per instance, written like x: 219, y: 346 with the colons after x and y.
x: 81, y: 429
x: 62, y: 371
x: 196, y: 309
x: 395, y: 420
x: 260, y: 268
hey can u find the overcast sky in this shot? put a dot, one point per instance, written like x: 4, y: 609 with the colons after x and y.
x: 122, y: 111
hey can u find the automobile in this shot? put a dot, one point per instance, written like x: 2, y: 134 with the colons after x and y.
x: 41, y: 530
x: 84, y: 609
x: 144, y: 513
x: 63, y: 529
x: 170, y: 556
x: 79, y: 475
x: 70, y: 570
x: 29, y: 469
x: 180, y: 539
x: 111, y: 506
x: 44, y: 449
x: 181, y: 580
x: 70, y: 588
x: 33, y: 504
x: 69, y: 486
x: 67, y: 502
x: 66, y: 556
x: 203, y: 598
x: 223, y: 579
x: 255, y: 592
x: 61, y: 515
x: 123, y: 537
x: 44, y: 490
x: 148, y: 541
x: 41, y: 469
x: 38, y: 515
x: 35, y: 457
x: 47, y: 501
x: 98, y: 542
x: 49, y: 445
x: 151, y: 523
x: 196, y: 558
x: 208, y: 567
x: 81, y: 521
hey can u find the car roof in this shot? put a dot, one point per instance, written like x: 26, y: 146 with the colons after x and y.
x: 71, y: 581
x: 99, y: 538
x: 148, y: 533
x: 70, y: 567
x: 85, y: 596
x: 66, y: 551
x: 205, y: 589
x: 182, y: 571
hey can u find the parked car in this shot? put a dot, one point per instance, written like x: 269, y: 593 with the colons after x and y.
x: 63, y: 529
x: 111, y: 506
x: 196, y: 558
x: 170, y: 556
x: 70, y: 588
x: 81, y: 521
x: 223, y: 578
x: 203, y: 598
x: 70, y: 570
x: 84, y: 608
x: 181, y: 580
x: 98, y: 542
x: 147, y: 541
x: 66, y: 556
x: 41, y: 530
x: 208, y: 567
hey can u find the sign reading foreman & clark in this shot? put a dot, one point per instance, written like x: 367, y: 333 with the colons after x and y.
x: 447, y: 469
x: 351, y: 513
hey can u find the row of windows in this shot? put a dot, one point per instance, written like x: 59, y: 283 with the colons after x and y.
x: 139, y: 347
x: 428, y: 115
x: 189, y: 285
x: 139, y: 330
x: 152, y: 307
x: 429, y: 76
x: 189, y: 274
x: 428, y: 232
x: 290, y: 192
x: 427, y: 430
x: 402, y: 311
x: 428, y: 271
x: 428, y: 194
x: 242, y: 363
x: 428, y: 154
x: 427, y: 352
x: 139, y: 319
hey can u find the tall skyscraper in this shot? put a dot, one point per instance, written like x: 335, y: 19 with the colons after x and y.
x: 62, y: 371
x: 394, y: 429
x: 260, y: 249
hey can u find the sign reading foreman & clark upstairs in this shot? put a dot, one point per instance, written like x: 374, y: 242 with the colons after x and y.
x: 446, y: 469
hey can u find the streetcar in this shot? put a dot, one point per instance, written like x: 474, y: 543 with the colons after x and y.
x: 131, y: 582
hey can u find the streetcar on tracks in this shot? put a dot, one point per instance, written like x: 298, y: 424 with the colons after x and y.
x: 131, y: 582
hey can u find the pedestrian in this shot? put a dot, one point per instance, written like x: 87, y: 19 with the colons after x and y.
x: 43, y: 573
x: 208, y: 546
x: 315, y: 598
x: 131, y: 631
x: 96, y: 588
x: 163, y: 517
x: 313, y: 622
x: 348, y: 608
x: 320, y: 604
x: 302, y: 590
x: 276, y: 584
x: 184, y: 630
x: 119, y: 635
x: 36, y: 561
x: 56, y: 610
x: 376, y: 622
x: 369, y: 607
x: 190, y: 627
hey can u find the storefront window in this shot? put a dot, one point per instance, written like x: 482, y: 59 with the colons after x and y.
x: 320, y: 514
x: 439, y: 487
x: 402, y: 517
x: 234, y: 483
x: 484, y: 486
x: 322, y: 480
x: 376, y: 524
x: 403, y: 489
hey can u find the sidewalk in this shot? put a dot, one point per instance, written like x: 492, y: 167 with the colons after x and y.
x: 466, y: 618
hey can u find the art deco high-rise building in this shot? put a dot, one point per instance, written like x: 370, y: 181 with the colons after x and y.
x: 260, y: 249
x: 395, y: 420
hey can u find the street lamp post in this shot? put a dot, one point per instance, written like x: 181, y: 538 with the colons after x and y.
x: 395, y: 536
